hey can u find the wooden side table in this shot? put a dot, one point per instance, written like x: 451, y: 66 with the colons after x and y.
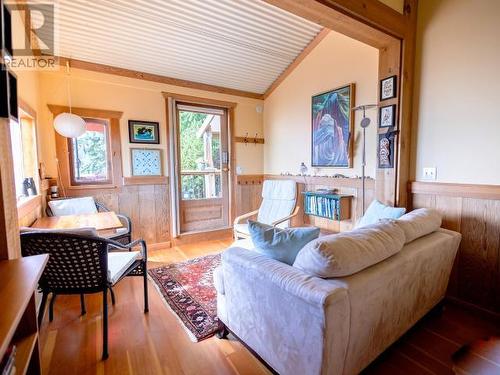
x: 18, y: 320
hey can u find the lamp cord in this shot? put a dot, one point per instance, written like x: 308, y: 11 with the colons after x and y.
x: 68, y: 87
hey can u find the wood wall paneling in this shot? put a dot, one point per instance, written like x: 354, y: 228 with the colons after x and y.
x: 9, y: 230
x: 249, y: 190
x: 476, y: 214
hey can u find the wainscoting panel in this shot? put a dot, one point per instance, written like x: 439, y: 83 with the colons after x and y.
x: 248, y: 193
x: 249, y: 189
x: 474, y: 211
x: 146, y: 205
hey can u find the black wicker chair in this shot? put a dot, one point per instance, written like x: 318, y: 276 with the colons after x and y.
x: 78, y: 264
x: 124, y: 237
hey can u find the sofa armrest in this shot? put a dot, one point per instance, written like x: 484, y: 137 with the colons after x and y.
x: 313, y: 290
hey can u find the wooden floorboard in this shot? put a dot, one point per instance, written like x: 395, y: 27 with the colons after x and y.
x: 156, y: 343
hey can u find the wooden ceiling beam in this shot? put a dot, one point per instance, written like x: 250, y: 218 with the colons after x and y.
x: 290, y: 68
x: 108, y: 69
x: 340, y: 16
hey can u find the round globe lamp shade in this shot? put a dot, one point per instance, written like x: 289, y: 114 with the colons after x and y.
x: 69, y: 125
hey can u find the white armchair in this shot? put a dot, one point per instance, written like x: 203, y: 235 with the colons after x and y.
x: 279, y: 199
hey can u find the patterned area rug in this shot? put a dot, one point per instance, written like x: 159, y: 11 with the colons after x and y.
x: 188, y: 289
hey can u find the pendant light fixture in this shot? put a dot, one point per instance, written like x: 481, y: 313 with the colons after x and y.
x: 67, y: 124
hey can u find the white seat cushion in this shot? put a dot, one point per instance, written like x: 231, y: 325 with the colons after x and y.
x: 73, y: 206
x: 245, y: 243
x: 119, y: 262
x: 242, y: 228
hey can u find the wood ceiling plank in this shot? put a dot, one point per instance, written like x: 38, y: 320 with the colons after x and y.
x: 305, y: 52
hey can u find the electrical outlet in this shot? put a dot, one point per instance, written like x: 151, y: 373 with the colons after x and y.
x: 430, y: 173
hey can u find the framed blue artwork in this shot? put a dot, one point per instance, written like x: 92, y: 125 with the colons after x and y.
x: 143, y: 132
x: 146, y: 162
x: 333, y: 128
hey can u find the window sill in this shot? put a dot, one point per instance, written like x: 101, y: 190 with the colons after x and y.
x: 91, y: 187
x: 27, y: 205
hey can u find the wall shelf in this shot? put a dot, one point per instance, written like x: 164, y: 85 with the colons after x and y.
x: 328, y: 206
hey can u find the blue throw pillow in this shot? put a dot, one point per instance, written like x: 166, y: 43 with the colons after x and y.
x: 377, y: 211
x: 278, y: 243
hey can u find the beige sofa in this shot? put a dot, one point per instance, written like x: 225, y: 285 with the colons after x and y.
x: 303, y: 324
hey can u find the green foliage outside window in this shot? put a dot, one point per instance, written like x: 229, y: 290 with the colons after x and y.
x: 90, y: 156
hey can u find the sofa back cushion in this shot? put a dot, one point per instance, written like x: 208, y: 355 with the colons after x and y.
x: 419, y: 223
x: 344, y: 254
x: 280, y: 244
x: 377, y: 211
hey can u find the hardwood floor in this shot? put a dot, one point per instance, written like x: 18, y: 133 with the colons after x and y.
x: 156, y: 343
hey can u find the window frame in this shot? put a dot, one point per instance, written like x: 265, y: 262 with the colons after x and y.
x: 63, y: 152
x: 71, y: 153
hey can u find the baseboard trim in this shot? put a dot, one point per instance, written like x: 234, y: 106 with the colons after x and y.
x: 160, y: 245
x: 188, y: 238
x: 478, y: 310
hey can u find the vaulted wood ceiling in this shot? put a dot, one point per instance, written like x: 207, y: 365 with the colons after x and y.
x: 238, y: 44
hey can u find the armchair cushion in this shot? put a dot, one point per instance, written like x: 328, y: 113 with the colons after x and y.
x: 242, y: 228
x: 278, y: 201
x: 73, y: 206
x: 119, y: 262
x: 280, y: 244
x: 378, y: 211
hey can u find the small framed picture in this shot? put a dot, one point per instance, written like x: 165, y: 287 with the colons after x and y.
x: 143, y: 132
x: 385, y: 151
x: 387, y: 116
x: 388, y: 88
x: 146, y: 162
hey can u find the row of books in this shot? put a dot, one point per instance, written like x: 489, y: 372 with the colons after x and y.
x: 7, y: 366
x: 322, y: 206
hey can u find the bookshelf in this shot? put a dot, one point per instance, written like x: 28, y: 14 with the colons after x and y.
x: 18, y: 320
x: 328, y: 206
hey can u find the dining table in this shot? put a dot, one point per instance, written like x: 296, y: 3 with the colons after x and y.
x: 103, y: 222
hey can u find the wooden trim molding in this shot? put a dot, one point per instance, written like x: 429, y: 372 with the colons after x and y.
x: 305, y: 52
x: 455, y: 190
x: 198, y: 100
x: 62, y: 150
x: 108, y: 69
x: 29, y: 205
x: 85, y: 112
x: 145, y: 180
x: 325, y: 180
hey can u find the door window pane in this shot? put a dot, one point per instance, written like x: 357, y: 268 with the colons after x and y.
x: 200, y: 155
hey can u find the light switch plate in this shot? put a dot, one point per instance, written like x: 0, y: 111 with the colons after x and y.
x: 430, y: 173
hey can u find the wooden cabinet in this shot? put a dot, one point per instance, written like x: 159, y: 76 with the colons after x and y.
x: 18, y: 319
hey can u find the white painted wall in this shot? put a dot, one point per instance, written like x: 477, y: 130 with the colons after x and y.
x: 336, y: 61
x: 457, y: 95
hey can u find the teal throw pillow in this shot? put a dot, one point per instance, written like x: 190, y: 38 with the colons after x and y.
x: 278, y: 243
x: 377, y: 211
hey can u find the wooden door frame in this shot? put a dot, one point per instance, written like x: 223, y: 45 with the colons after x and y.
x: 229, y: 107
x: 394, y: 35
